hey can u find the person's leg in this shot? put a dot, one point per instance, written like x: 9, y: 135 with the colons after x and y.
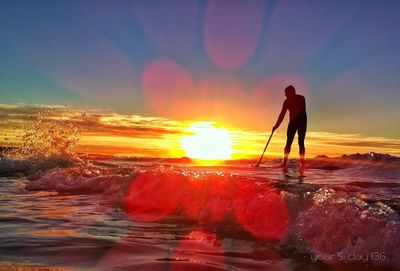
x: 301, y: 132
x: 291, y: 131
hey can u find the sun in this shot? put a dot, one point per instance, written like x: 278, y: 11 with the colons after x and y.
x: 207, y: 142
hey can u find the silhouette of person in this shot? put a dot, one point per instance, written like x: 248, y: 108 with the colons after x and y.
x: 296, y: 104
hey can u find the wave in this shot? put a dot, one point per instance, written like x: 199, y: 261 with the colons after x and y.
x: 371, y: 160
x: 337, y: 230
x: 80, y: 179
x: 329, y: 226
x: 360, y: 160
x: 34, y: 165
x: 47, y: 139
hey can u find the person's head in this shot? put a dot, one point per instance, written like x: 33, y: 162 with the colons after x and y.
x: 290, y: 91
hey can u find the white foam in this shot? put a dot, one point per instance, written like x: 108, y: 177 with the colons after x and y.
x: 338, y: 230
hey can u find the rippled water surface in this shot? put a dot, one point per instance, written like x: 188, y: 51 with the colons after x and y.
x: 58, y: 222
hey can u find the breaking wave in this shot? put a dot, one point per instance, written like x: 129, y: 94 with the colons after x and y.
x: 33, y: 166
x: 337, y: 229
x: 328, y: 225
x: 46, y: 140
x: 366, y: 160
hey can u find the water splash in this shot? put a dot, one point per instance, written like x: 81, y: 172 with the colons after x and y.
x: 43, y: 140
x: 48, y: 132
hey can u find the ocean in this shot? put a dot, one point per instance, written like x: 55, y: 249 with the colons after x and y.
x: 132, y: 214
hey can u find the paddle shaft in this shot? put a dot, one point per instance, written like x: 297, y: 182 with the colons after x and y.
x: 262, y: 155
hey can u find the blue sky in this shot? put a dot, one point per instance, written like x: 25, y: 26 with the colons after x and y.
x: 231, y: 59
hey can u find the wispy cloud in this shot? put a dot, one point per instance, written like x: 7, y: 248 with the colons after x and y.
x: 111, y: 133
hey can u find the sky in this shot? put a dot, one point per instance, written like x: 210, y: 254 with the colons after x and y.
x: 219, y: 61
x: 109, y: 133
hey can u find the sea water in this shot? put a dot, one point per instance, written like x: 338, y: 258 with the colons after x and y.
x: 121, y: 214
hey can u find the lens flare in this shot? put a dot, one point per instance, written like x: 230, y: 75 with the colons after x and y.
x: 231, y: 31
x: 262, y: 211
x: 150, y: 197
x: 208, y: 199
x: 168, y: 88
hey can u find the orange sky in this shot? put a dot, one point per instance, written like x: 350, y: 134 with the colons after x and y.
x: 136, y: 135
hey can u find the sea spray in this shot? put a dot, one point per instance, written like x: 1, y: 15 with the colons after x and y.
x: 46, y: 139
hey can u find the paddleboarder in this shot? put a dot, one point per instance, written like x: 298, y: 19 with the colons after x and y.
x: 296, y: 104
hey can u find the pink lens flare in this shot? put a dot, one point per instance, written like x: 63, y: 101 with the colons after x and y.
x: 170, y: 26
x: 208, y: 200
x: 167, y: 88
x: 262, y: 211
x: 231, y: 31
x: 152, y: 196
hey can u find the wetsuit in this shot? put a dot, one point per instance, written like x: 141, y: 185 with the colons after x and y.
x: 298, y: 122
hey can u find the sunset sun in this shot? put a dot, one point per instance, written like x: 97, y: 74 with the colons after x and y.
x: 207, y: 142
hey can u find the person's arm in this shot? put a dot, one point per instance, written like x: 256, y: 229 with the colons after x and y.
x: 281, y: 116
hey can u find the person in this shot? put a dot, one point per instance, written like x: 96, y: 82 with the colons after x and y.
x: 296, y: 104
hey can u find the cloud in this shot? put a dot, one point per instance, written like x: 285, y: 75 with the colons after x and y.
x: 105, y: 132
x: 367, y: 144
x: 350, y: 143
x: 144, y: 128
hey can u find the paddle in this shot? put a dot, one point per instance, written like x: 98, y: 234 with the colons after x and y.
x: 259, y: 161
